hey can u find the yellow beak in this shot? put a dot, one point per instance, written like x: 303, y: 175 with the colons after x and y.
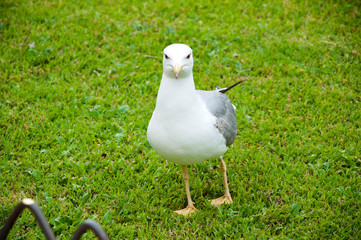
x: 177, y: 69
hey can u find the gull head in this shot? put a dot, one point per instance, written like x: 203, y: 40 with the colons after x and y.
x: 177, y: 61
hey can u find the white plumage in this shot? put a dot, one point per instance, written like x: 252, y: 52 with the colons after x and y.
x: 190, y: 126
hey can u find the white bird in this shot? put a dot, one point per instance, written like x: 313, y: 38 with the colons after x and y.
x: 189, y: 126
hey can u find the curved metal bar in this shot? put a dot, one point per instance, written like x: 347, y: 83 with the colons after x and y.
x: 90, y: 225
x: 44, y: 225
x: 35, y: 210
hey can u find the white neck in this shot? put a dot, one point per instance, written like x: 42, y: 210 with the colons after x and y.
x: 176, y: 93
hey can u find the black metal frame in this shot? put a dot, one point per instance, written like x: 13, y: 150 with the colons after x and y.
x: 44, y: 225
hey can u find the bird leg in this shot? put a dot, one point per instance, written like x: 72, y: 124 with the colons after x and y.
x: 190, y: 208
x: 226, y: 198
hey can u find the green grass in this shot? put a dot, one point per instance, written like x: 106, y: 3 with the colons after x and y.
x: 78, y: 86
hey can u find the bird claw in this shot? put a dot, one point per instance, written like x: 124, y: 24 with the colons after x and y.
x: 186, y: 211
x: 226, y: 199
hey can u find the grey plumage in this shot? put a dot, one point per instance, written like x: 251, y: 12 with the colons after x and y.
x: 221, y: 107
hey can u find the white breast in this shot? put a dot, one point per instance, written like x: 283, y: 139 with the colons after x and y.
x: 185, y: 135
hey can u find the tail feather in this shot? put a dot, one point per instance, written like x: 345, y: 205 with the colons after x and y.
x: 223, y: 90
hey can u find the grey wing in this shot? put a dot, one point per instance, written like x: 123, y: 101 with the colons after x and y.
x: 221, y: 107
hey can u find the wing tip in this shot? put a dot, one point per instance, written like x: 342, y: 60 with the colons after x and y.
x: 224, y: 90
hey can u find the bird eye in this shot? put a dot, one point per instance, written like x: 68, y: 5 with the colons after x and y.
x: 189, y: 56
x: 166, y: 56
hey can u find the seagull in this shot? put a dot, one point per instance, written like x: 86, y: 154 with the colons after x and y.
x: 189, y: 126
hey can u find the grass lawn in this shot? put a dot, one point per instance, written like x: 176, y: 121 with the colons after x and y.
x: 79, y: 81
